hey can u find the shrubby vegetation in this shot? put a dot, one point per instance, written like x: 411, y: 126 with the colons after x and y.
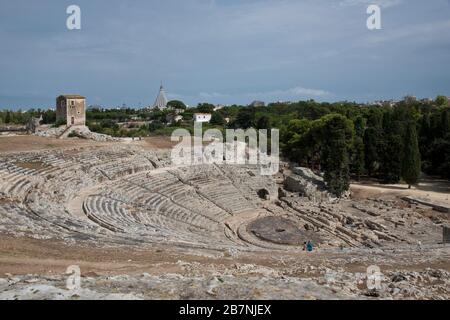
x: 8, y: 117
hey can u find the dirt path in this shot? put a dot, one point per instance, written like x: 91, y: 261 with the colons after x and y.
x: 31, y: 256
x: 24, y: 143
x: 27, y: 143
x: 436, y: 190
x: 20, y: 256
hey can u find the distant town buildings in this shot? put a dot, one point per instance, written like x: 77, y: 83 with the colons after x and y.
x: 427, y: 100
x: 174, y: 115
x: 172, y: 118
x: 219, y: 107
x: 386, y: 103
x: 161, y: 100
x: 202, y: 117
x: 177, y: 111
x: 71, y: 108
x: 257, y: 103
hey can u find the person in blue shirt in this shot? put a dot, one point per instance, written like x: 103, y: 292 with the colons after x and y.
x: 309, y: 246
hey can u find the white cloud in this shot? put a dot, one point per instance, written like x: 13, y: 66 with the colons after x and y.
x: 212, y: 95
x: 381, y: 3
x: 293, y: 94
x: 300, y: 91
x: 297, y: 92
x: 419, y: 32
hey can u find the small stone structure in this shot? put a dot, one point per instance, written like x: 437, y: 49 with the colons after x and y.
x: 72, y: 109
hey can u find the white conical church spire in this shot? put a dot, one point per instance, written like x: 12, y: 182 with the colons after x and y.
x: 161, y: 100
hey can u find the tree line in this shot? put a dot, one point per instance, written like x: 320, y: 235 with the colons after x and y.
x: 19, y: 117
x: 343, y: 140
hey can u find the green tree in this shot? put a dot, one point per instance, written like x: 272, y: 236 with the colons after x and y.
x: 217, y: 119
x: 372, y: 136
x: 296, y: 140
x: 176, y: 104
x: 245, y: 118
x: 390, y: 156
x: 390, y: 144
x: 49, y: 117
x: 371, y: 143
x: 411, y: 162
x: 155, y: 125
x: 8, y: 117
x: 205, y: 108
x: 360, y: 126
x: 358, y: 157
x: 263, y: 122
x: 442, y: 101
x: 338, y: 133
x: 445, y: 121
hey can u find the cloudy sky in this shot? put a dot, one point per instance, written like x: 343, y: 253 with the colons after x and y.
x: 222, y: 51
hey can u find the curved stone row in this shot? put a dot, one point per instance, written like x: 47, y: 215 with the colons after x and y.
x: 19, y: 220
x: 122, y: 195
x: 16, y: 182
x: 185, y: 203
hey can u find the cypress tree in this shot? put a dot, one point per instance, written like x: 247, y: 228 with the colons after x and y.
x: 335, y: 154
x: 391, y: 158
x: 390, y: 148
x: 8, y: 117
x: 411, y: 162
x: 371, y: 144
x: 263, y: 123
x: 445, y: 121
x: 358, y: 157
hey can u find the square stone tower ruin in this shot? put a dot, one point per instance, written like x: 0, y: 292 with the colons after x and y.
x: 72, y: 109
